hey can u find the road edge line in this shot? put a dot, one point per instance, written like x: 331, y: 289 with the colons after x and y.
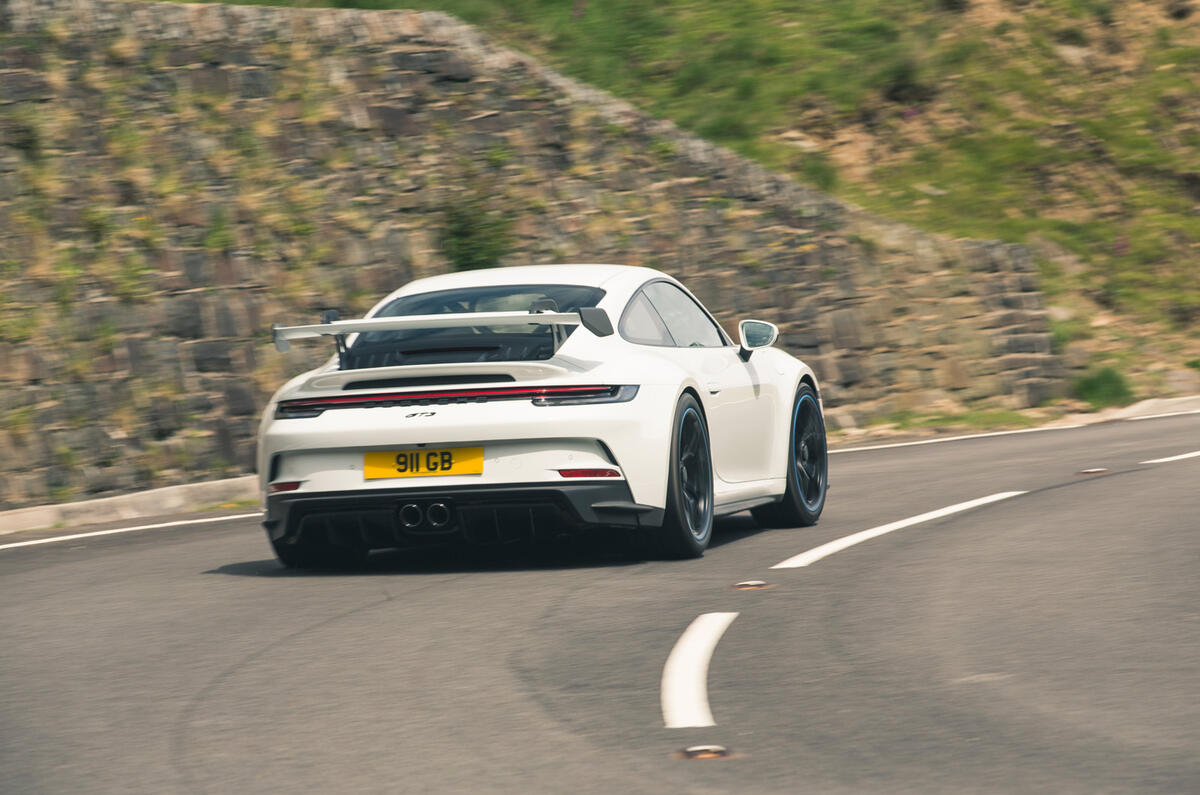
x: 1163, y: 415
x: 942, y: 439
x: 1193, y: 454
x: 116, y: 530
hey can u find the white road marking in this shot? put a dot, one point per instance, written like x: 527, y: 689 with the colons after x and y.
x: 685, y: 676
x: 825, y: 550
x: 942, y: 439
x: 1167, y: 414
x: 114, y: 531
x: 1172, y: 458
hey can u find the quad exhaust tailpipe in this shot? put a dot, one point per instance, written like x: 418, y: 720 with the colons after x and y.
x: 425, y: 518
x: 438, y: 515
x: 411, y: 516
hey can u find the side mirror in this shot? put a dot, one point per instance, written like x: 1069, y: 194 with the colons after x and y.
x: 755, y: 334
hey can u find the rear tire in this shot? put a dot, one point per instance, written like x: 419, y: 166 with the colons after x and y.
x: 808, y: 467
x: 688, y: 522
x: 328, y: 557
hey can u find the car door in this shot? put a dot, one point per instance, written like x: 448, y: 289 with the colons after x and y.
x: 738, y: 400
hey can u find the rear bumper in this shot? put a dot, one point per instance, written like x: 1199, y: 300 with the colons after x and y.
x: 500, y: 513
x: 523, y: 443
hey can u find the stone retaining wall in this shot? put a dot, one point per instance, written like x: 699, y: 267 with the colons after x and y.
x: 175, y: 178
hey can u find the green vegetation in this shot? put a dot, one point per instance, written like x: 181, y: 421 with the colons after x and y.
x: 497, y: 156
x: 65, y: 456
x: 15, y: 320
x: 18, y: 420
x: 132, y: 280
x: 1103, y: 388
x: 1064, y: 332
x: 473, y: 235
x: 1069, y: 123
x: 22, y: 131
x: 219, y: 238
x: 981, y: 419
x: 229, y: 505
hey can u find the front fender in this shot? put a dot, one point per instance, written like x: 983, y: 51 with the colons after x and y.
x: 792, y: 372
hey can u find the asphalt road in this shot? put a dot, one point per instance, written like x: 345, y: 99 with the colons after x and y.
x: 1049, y: 642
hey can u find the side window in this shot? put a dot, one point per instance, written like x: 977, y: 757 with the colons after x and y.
x: 641, y: 324
x: 687, y: 322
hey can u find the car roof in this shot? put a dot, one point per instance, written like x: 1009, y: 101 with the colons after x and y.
x: 586, y: 275
x: 617, y: 280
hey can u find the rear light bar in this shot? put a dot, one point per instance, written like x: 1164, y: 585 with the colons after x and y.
x: 275, y: 488
x: 589, y: 473
x: 541, y: 396
x: 611, y: 394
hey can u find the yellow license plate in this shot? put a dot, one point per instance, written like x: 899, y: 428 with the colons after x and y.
x: 423, y: 462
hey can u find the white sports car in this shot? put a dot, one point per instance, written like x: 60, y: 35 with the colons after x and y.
x: 510, y: 403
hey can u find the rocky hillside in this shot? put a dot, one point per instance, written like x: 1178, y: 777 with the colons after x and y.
x: 173, y: 179
x: 1072, y: 126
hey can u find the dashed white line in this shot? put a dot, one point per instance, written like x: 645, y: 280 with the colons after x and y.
x: 943, y: 439
x: 684, y: 690
x: 114, y: 531
x: 825, y: 550
x: 1172, y: 458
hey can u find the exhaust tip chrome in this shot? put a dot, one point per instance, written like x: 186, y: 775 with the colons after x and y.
x: 438, y: 514
x: 411, y: 516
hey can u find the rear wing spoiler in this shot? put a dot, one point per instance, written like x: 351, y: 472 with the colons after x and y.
x: 593, y: 319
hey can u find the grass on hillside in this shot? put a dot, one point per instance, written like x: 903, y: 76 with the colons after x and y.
x: 1103, y: 388
x: 976, y: 420
x: 229, y: 505
x: 1070, y: 124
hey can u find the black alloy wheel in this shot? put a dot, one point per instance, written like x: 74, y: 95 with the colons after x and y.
x: 687, y: 526
x: 695, y: 475
x: 810, y: 459
x: 808, y: 467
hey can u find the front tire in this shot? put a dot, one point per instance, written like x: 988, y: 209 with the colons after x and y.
x: 808, y: 467
x: 688, y: 523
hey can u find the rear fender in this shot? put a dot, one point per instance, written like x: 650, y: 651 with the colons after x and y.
x: 643, y: 448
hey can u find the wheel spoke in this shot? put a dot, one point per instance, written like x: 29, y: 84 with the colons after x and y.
x: 689, y: 488
x: 811, y: 484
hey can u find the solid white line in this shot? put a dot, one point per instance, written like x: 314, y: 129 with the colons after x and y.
x: 953, y: 439
x: 116, y: 530
x: 685, y: 676
x: 1159, y: 416
x: 1172, y: 458
x: 825, y: 550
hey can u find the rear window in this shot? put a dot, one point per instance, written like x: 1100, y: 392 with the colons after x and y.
x: 483, y: 343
